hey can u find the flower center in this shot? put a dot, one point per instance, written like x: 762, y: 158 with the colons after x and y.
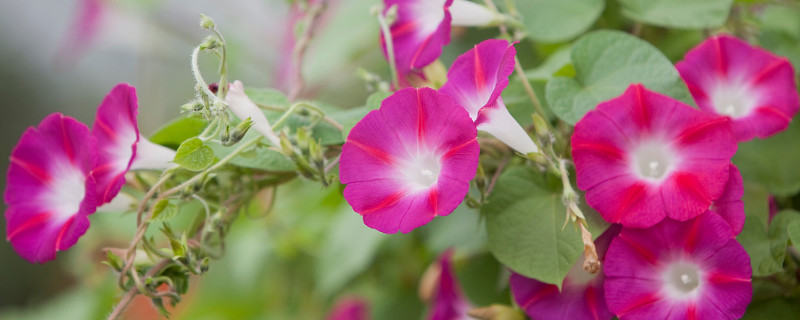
x: 682, y: 279
x: 733, y: 99
x: 67, y: 191
x: 423, y: 171
x: 653, y: 160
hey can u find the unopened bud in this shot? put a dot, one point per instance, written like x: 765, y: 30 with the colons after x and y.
x: 238, y: 133
x: 537, y: 158
x: 429, y: 282
x: 480, y: 177
x: 206, y: 22
x: 541, y: 127
x: 315, y: 153
x: 210, y: 43
x: 286, y: 146
x: 303, y: 137
x: 204, y: 265
x: 496, y: 312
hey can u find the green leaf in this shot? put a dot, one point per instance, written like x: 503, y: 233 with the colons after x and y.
x: 794, y: 232
x: 772, y: 163
x: 682, y: 14
x: 348, y: 251
x: 194, y: 155
x: 558, y: 20
x: 524, y: 220
x: 259, y: 158
x: 163, y: 211
x: 606, y: 63
x: 267, y: 97
x: 349, y: 118
x: 177, y: 131
x: 766, y: 245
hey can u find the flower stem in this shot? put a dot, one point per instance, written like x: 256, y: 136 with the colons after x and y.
x: 387, y: 39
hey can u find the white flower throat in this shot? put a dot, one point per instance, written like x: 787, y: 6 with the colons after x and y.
x: 653, y: 160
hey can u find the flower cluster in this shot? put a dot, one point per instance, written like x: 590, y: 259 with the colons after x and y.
x: 662, y: 171
x: 413, y: 159
x: 62, y: 171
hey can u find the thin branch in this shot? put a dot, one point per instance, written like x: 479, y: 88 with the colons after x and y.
x: 300, y: 47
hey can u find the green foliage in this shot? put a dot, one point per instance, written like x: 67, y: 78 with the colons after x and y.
x: 524, y: 219
x: 194, y: 155
x: 259, y: 157
x: 772, y: 164
x: 606, y: 63
x: 267, y: 97
x: 558, y: 20
x: 163, y: 211
x: 682, y: 14
x: 177, y: 131
x: 348, y: 250
x: 793, y: 229
x: 766, y: 244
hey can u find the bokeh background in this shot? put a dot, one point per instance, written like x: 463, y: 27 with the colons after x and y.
x: 292, y: 264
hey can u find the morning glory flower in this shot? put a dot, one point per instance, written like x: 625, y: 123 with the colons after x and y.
x: 581, y: 295
x: 753, y: 87
x: 678, y: 270
x: 120, y: 146
x: 409, y: 161
x: 50, y: 191
x: 475, y: 81
x: 244, y: 108
x: 644, y: 156
x: 422, y: 28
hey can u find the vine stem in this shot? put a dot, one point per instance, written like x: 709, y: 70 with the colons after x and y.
x: 389, y: 42
x: 529, y: 89
x: 300, y: 47
x: 199, y: 77
x: 133, y: 291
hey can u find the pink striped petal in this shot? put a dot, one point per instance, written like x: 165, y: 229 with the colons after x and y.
x: 409, y: 161
x: 117, y: 132
x: 730, y: 206
x: 678, y: 270
x: 475, y: 81
x: 643, y: 156
x: 750, y: 85
x: 418, y: 34
x: 50, y: 191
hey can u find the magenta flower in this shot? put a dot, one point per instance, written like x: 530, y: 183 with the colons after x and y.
x: 50, y: 191
x: 729, y: 206
x: 350, y: 308
x: 422, y: 29
x: 643, y: 156
x: 753, y: 87
x: 448, y: 300
x: 475, y: 81
x: 120, y: 147
x: 409, y: 161
x: 678, y: 270
x: 581, y: 295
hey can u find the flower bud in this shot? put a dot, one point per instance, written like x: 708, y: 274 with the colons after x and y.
x: 206, y: 22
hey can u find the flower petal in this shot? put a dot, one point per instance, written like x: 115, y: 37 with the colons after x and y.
x: 117, y: 134
x: 50, y: 191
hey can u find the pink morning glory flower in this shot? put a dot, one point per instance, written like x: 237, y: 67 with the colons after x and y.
x: 678, y: 270
x: 350, y: 308
x: 644, y: 156
x: 475, y: 81
x: 753, y: 87
x: 729, y: 206
x: 448, y: 300
x: 422, y: 29
x: 50, y: 191
x: 120, y: 147
x: 581, y: 295
x: 409, y: 161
